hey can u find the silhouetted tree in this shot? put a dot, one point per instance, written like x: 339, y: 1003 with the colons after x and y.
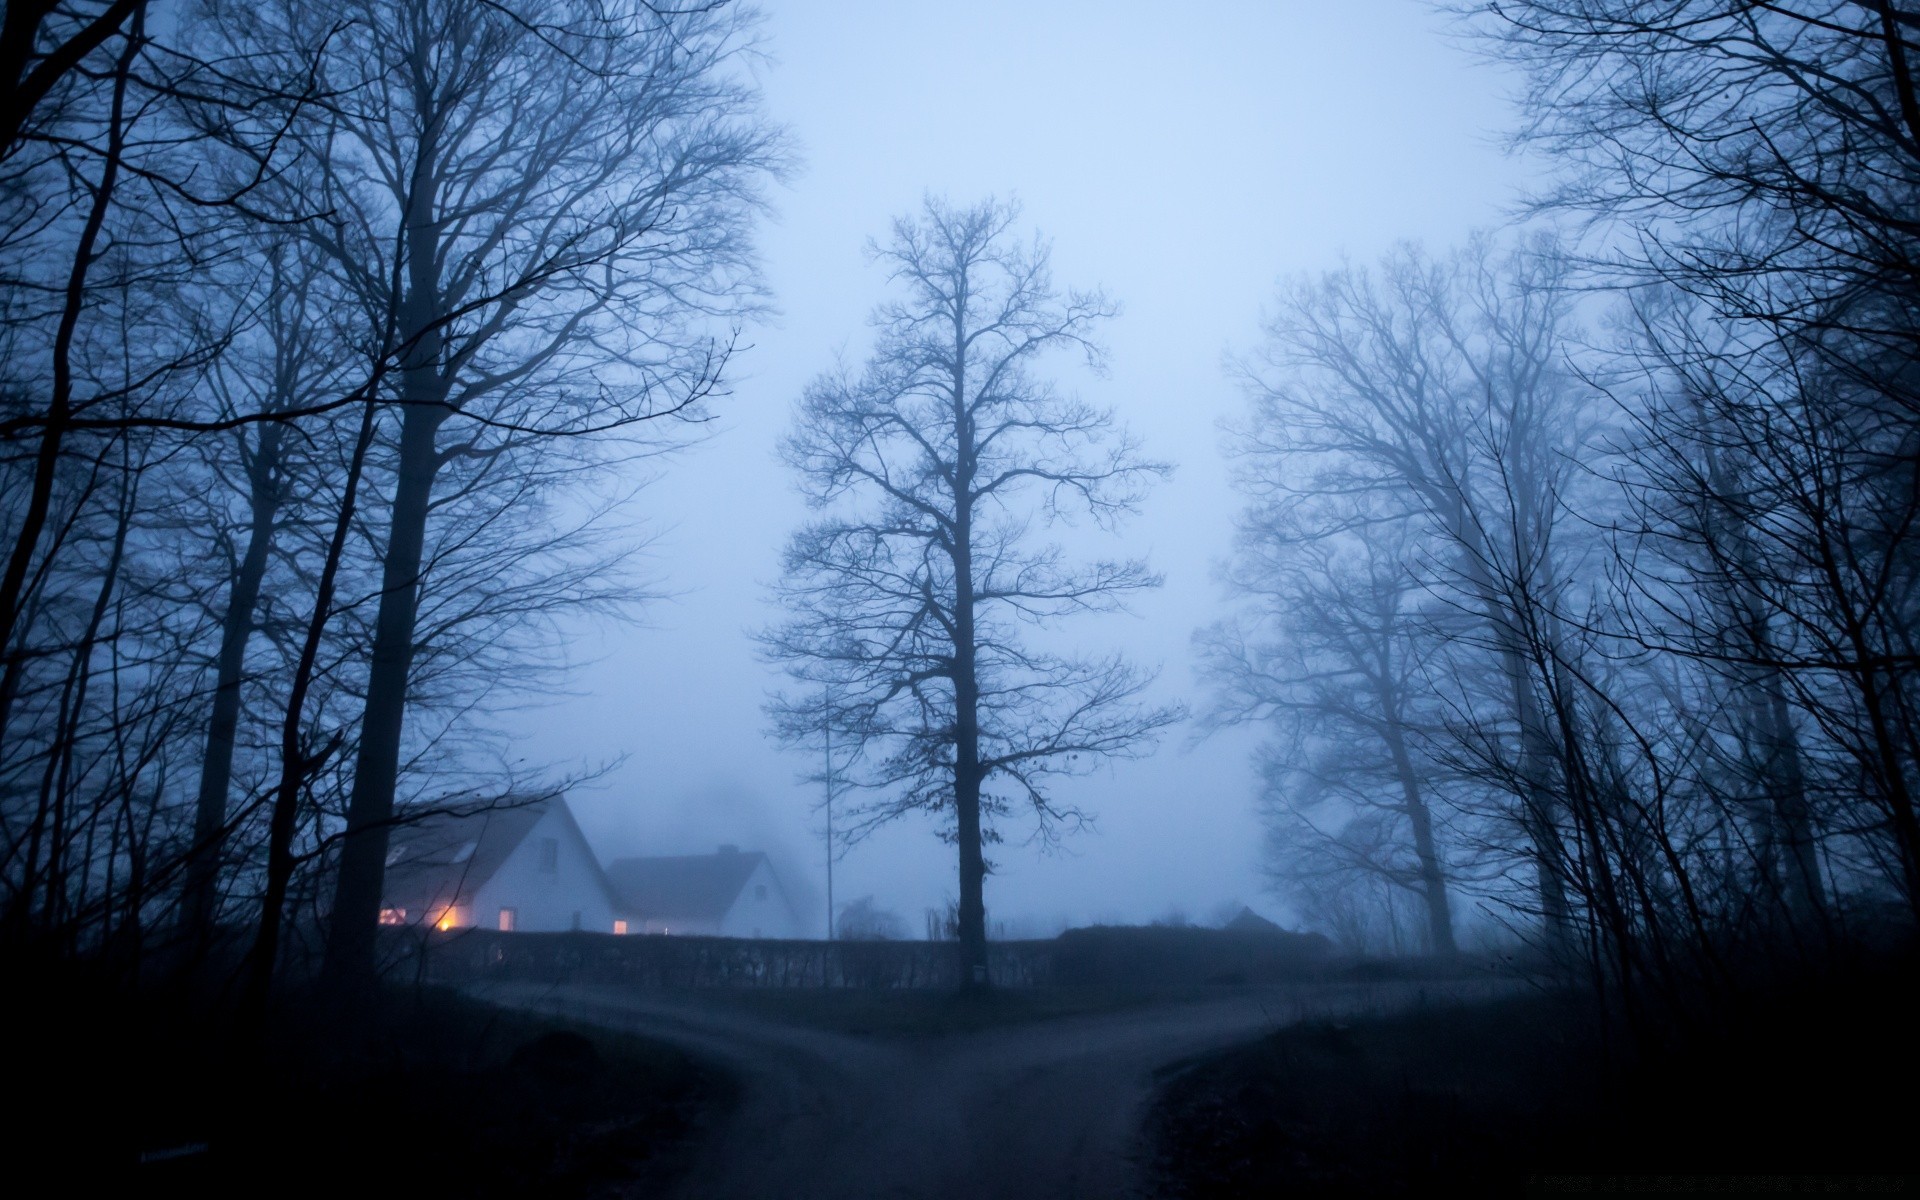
x: 930, y: 469
x: 1332, y: 654
x: 570, y: 184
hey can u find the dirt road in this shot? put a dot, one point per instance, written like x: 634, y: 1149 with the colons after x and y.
x: 1040, y: 1110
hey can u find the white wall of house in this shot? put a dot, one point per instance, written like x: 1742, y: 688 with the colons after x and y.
x: 761, y: 910
x: 551, y: 890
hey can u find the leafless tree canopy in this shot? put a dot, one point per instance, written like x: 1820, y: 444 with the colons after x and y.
x: 933, y: 469
x: 328, y: 329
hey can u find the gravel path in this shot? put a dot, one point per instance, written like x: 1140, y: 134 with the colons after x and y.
x: 1034, y: 1111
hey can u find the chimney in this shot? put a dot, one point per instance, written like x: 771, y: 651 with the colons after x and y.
x: 729, y: 848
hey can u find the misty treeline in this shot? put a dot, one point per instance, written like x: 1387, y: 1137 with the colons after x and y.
x: 332, y: 332
x: 1578, y: 570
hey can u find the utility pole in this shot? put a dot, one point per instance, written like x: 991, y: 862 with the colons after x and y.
x: 827, y: 730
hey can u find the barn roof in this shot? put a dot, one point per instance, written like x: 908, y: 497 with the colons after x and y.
x: 687, y: 887
x: 447, y: 857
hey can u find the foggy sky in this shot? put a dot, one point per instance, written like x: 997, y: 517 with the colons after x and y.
x: 1185, y: 158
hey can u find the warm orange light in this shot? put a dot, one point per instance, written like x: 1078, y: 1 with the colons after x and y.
x: 619, y: 926
x: 393, y: 916
x: 447, y: 920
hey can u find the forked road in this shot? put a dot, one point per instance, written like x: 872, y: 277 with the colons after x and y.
x: 1050, y: 1108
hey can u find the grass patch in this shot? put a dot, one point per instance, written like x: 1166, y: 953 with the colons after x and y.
x: 1478, y: 1100
x: 427, y: 1092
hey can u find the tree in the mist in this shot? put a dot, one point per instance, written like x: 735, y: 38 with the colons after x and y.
x: 292, y: 358
x: 558, y: 195
x: 933, y: 471
x: 863, y: 920
x: 1330, y: 654
x: 1765, y: 159
x: 108, y: 228
x: 1435, y: 392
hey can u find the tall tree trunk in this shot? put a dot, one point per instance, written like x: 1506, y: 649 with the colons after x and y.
x: 966, y: 682
x: 354, y: 923
x: 46, y: 462
x: 296, y: 766
x: 236, y: 630
x: 1539, y: 806
x: 1433, y: 879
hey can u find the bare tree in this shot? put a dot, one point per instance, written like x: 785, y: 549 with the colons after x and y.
x: 1332, y: 654
x: 930, y: 469
x: 572, y: 184
x: 1437, y: 391
x: 1761, y: 161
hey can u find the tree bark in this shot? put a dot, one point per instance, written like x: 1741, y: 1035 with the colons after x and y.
x: 966, y: 682
x: 236, y: 630
x: 424, y: 390
x: 295, y: 764
x: 59, y: 412
x: 1433, y: 879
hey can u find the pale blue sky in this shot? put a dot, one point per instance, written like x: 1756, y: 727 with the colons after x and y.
x: 1185, y: 157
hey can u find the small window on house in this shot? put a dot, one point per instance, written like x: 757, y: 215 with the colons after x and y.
x: 464, y: 853
x: 576, y: 920
x: 393, y: 916
x: 396, y: 852
x: 549, y: 855
x: 508, y: 919
x: 759, y: 892
x: 619, y: 926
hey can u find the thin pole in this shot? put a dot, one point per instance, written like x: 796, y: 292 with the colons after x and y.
x: 827, y: 728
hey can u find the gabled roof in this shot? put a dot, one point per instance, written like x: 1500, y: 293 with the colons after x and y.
x: 700, y: 887
x: 446, y: 858
x: 1249, y: 921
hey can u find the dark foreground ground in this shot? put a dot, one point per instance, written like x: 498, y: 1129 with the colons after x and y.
x: 1810, y: 1091
x: 907, y: 1096
x: 1447, y: 1087
x: 426, y: 1094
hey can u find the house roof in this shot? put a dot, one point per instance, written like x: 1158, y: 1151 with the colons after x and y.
x: 699, y: 887
x: 446, y: 858
x: 1249, y: 921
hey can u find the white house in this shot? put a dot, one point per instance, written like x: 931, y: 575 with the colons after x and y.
x: 516, y: 867
x: 733, y: 893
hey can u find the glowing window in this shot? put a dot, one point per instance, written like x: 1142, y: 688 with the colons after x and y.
x: 449, y: 917
x: 619, y: 926
x: 393, y: 916
x: 508, y: 919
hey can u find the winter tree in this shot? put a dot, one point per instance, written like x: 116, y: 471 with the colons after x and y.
x: 935, y: 472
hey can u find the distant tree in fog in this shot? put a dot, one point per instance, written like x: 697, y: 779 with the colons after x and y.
x: 1413, y: 432
x: 1330, y: 654
x: 934, y: 470
x: 863, y: 920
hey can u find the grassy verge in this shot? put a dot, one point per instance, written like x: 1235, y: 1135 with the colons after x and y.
x: 427, y: 1093
x: 1482, y: 1100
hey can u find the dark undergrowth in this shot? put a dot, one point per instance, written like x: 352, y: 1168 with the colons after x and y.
x: 423, y: 1093
x: 1532, y: 1094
